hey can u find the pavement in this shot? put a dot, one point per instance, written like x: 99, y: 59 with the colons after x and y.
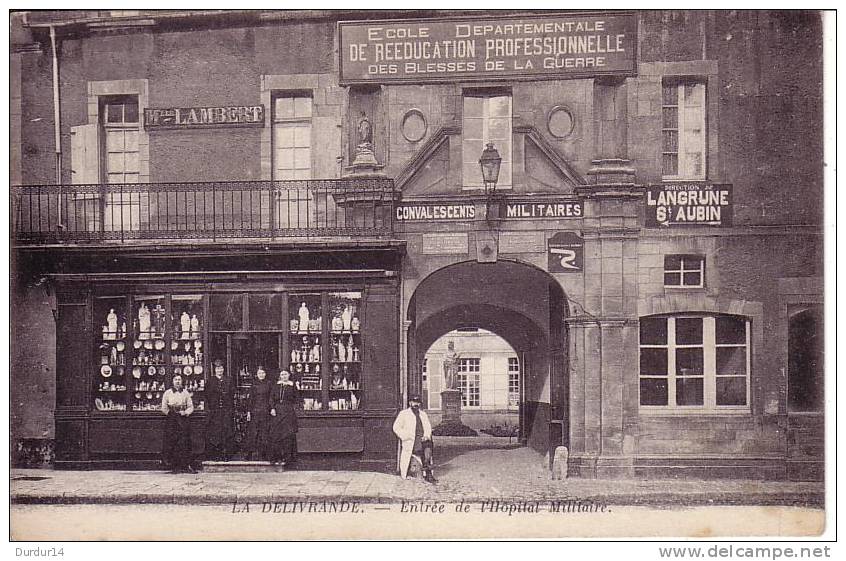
x: 505, y: 473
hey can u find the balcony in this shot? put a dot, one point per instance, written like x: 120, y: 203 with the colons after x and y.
x: 209, y: 211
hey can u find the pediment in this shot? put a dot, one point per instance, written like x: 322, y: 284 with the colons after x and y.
x: 428, y: 172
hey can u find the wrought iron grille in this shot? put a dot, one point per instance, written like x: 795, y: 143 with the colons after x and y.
x: 43, y: 214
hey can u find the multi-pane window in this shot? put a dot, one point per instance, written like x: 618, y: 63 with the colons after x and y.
x: 694, y: 362
x: 683, y: 130
x: 513, y: 381
x: 121, y: 161
x: 469, y: 381
x: 292, y: 137
x: 684, y: 271
x: 486, y: 118
x: 121, y: 129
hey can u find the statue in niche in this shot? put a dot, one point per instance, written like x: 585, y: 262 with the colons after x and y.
x: 365, y: 131
x: 364, y: 155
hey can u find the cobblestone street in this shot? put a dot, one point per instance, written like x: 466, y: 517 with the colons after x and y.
x: 513, y: 473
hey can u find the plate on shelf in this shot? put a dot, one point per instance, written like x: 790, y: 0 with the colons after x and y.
x: 136, y: 344
x: 137, y: 395
x: 148, y: 344
x: 149, y: 395
x: 106, y: 370
x: 187, y: 370
x: 160, y: 344
x: 151, y: 371
x: 174, y: 345
x: 98, y: 403
x: 198, y: 344
x: 198, y: 369
x: 120, y: 345
x: 177, y: 370
x: 136, y: 372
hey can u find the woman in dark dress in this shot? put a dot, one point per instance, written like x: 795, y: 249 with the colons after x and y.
x: 258, y: 416
x: 220, y: 422
x: 282, y: 441
x: 176, y: 441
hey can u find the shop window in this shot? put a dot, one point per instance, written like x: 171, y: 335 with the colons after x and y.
x: 486, y: 118
x: 468, y: 378
x: 805, y: 361
x: 694, y: 362
x: 292, y: 137
x: 513, y: 381
x: 683, y: 130
x: 686, y: 271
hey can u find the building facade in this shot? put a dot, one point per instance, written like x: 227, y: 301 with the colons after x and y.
x: 303, y: 190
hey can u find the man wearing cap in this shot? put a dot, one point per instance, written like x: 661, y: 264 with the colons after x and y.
x: 413, y: 428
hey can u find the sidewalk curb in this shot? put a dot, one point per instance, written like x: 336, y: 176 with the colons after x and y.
x: 803, y: 500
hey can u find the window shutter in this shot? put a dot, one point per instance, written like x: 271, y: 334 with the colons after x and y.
x: 85, y: 154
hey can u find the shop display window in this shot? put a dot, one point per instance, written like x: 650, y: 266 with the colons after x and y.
x: 144, y: 340
x: 305, y: 349
x: 345, y: 358
x: 111, y: 353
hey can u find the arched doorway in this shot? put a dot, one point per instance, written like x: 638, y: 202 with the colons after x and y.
x: 522, y: 304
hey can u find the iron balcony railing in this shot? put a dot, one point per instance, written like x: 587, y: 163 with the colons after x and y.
x: 44, y: 214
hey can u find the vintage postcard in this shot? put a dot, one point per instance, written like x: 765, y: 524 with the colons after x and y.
x: 419, y: 274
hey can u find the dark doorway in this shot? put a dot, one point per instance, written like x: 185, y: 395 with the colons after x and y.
x: 805, y: 361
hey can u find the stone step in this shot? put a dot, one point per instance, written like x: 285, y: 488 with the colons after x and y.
x: 241, y: 466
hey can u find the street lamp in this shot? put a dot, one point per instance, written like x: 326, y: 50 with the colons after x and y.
x: 489, y: 162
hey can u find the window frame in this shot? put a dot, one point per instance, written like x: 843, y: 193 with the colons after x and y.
x: 710, y: 376
x: 474, y: 183
x: 277, y: 122
x: 513, y: 382
x: 683, y: 141
x: 124, y: 126
x: 469, y: 381
x: 682, y: 270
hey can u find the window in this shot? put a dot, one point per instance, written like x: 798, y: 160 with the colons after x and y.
x: 121, y: 161
x: 805, y: 361
x: 683, y: 130
x: 120, y: 127
x: 292, y: 137
x: 684, y: 271
x: 486, y: 118
x: 513, y: 381
x: 468, y: 381
x: 695, y: 362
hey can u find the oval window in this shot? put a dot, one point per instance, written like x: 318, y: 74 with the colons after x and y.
x: 561, y: 122
x: 414, y: 125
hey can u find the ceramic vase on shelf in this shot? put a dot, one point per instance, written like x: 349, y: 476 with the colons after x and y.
x: 304, y: 317
x: 346, y: 317
x: 185, y: 325
x: 195, y: 327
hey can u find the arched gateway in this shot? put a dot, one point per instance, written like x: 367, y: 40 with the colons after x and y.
x: 522, y: 304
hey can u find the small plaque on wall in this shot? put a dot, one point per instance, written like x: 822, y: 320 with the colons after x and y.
x: 443, y: 244
x: 521, y: 242
x: 566, y: 253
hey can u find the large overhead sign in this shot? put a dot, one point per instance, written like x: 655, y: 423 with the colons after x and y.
x: 487, y: 48
x: 688, y: 204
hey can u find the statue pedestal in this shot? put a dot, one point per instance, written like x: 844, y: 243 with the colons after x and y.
x: 451, y: 424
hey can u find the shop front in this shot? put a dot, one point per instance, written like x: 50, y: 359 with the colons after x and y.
x: 122, y: 337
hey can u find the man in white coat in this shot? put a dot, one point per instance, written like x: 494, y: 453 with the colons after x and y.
x: 413, y: 428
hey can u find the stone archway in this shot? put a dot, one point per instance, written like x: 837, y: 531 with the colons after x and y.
x: 522, y: 304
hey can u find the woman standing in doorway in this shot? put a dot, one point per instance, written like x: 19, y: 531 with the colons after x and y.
x: 258, y: 416
x: 282, y: 441
x: 220, y: 423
